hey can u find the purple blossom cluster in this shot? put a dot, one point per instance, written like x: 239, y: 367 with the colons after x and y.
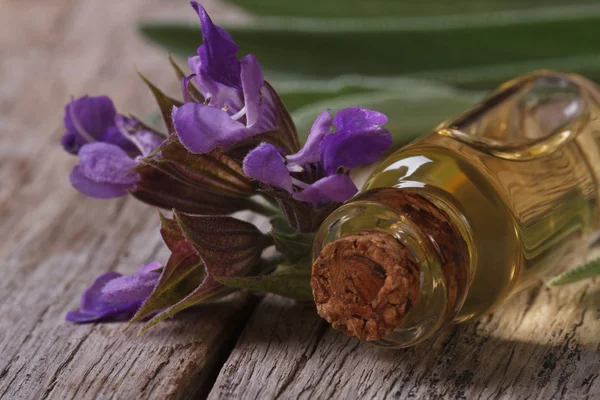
x: 237, y: 103
x: 108, y: 145
x: 230, y: 138
x: 318, y: 173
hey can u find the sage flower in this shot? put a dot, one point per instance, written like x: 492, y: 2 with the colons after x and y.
x: 89, y: 120
x: 238, y: 102
x: 120, y: 155
x: 318, y: 173
x: 104, y: 171
x: 229, y: 139
x: 108, y: 146
x: 311, y: 183
x: 116, y: 297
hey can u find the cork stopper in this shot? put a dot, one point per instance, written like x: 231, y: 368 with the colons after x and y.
x: 364, y: 284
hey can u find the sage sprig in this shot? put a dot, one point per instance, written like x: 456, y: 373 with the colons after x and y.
x: 229, y: 140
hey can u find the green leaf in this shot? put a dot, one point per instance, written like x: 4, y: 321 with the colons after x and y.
x: 413, y: 107
x: 292, y: 244
x: 291, y: 281
x: 588, y: 270
x: 296, y: 100
x: 165, y: 103
x: 298, y: 93
x: 228, y: 246
x: 207, y: 291
x: 384, y: 8
x: 182, y: 274
x: 475, y: 50
x: 200, y: 245
x: 294, y: 247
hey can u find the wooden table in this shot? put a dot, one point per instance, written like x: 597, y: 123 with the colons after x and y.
x: 543, y: 344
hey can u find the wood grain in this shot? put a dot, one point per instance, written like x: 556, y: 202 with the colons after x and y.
x: 55, y: 241
x: 543, y: 344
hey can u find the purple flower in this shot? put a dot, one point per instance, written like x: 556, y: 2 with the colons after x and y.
x: 88, y: 120
x: 108, y: 146
x: 238, y: 102
x: 103, y: 171
x: 318, y: 173
x: 131, y: 158
x: 116, y: 297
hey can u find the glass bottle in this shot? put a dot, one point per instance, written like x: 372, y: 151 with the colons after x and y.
x: 516, y: 181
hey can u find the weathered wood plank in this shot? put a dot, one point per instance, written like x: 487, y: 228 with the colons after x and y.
x: 55, y: 241
x: 542, y: 344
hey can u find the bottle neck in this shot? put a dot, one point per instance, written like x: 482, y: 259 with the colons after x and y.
x: 390, y: 267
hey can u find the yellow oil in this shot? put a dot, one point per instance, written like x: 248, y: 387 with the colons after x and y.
x: 521, y: 171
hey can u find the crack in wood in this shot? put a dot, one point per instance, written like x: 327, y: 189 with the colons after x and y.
x: 26, y: 339
x: 226, y: 346
x: 150, y: 379
x: 299, y: 367
x: 63, y: 365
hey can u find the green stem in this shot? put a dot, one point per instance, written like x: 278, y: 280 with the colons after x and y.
x: 268, y: 265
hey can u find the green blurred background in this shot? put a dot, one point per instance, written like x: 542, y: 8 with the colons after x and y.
x: 420, y: 62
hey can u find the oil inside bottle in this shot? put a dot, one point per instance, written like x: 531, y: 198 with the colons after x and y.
x: 521, y: 169
x: 517, y: 175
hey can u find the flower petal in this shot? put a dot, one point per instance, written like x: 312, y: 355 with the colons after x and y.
x: 94, y: 189
x: 107, y: 163
x: 114, y: 135
x: 116, y: 297
x: 185, y: 81
x: 252, y: 81
x: 129, y: 288
x: 266, y: 165
x: 201, y: 128
x: 355, y: 119
x: 218, y: 94
x: 310, y: 152
x: 72, y: 142
x: 218, y: 53
x: 334, y: 188
x: 81, y: 317
x: 350, y: 149
x: 89, y: 299
x: 146, y: 141
x: 91, y: 306
x: 154, y: 266
x: 85, y: 120
x: 141, y: 141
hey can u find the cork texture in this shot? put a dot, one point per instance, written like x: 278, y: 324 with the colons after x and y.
x: 447, y: 241
x: 364, y: 284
